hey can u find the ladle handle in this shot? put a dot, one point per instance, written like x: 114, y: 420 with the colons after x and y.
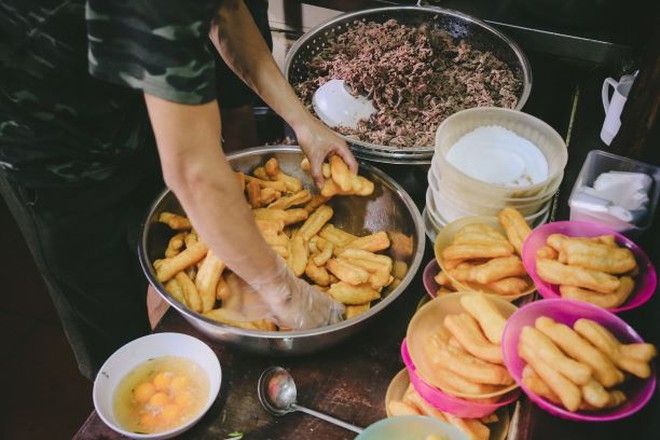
x: 328, y: 418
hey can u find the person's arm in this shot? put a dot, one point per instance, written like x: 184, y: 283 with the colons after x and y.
x: 237, y: 39
x: 197, y: 171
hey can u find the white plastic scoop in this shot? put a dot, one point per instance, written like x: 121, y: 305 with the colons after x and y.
x: 336, y: 106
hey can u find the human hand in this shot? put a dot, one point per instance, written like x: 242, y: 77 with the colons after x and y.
x: 318, y: 142
x: 295, y: 303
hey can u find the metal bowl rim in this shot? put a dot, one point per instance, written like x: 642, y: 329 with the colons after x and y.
x: 190, y: 315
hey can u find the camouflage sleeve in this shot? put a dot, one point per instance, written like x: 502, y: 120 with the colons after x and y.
x: 158, y: 46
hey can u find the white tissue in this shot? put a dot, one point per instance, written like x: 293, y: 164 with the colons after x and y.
x: 625, y: 189
x: 618, y: 194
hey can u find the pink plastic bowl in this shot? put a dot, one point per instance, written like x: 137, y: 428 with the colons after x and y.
x: 428, y: 278
x: 645, y: 282
x: 566, y: 311
x: 463, y: 408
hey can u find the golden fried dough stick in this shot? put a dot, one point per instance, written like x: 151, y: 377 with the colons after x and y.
x: 639, y: 350
x: 330, y: 189
x: 277, y: 185
x: 402, y: 245
x: 325, y: 167
x: 191, y: 238
x: 175, y: 221
x: 346, y: 182
x: 473, y: 428
x: 237, y: 319
x: 515, y: 227
x: 352, y: 295
x: 442, y: 279
x: 175, y: 244
x: 554, y: 272
x: 360, y: 254
x: 360, y: 186
x: 492, y: 270
x: 474, y: 251
x: 340, y: 173
x: 356, y: 309
x: 467, y: 332
x: 336, y: 236
x: 556, y: 240
x: 325, y: 254
x: 462, y: 363
x: 399, y: 269
x: 222, y: 290
x: 316, y: 201
x: 260, y: 173
x: 315, y: 222
x: 363, y: 186
x: 488, y: 316
x: 270, y: 226
x: 379, y: 273
x: 604, y: 300
x: 547, y: 253
x: 401, y: 408
x: 268, y: 195
x: 479, y: 233
x: 318, y: 274
x: 543, y: 347
x: 294, y: 199
x: 189, y: 291
x: 347, y: 272
x: 272, y: 167
x: 207, y: 279
x: 509, y: 286
x: 568, y: 393
x: 168, y: 267
x: 447, y: 379
x: 595, y: 394
x: 298, y: 254
x: 175, y: 290
x: 581, y: 350
x: 253, y: 193
x: 536, y: 385
x: 425, y: 407
x: 602, y: 339
x: 375, y: 242
x: 288, y: 216
x: 598, y: 256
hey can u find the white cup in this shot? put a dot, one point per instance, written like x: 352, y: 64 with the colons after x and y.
x: 614, y: 106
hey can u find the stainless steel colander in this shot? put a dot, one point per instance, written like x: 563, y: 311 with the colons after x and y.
x: 478, y: 34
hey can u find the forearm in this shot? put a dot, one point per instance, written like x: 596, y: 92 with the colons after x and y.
x: 196, y: 170
x: 237, y: 39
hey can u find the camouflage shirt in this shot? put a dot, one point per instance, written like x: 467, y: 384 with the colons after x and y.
x: 58, y: 123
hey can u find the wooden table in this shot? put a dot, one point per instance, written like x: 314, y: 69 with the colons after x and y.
x: 349, y: 381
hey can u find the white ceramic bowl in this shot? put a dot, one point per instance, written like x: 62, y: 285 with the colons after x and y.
x: 135, y: 353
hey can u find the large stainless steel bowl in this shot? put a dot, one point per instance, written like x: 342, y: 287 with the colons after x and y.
x: 390, y: 208
x: 477, y: 33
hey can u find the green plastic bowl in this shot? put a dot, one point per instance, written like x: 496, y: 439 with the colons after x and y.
x: 411, y: 428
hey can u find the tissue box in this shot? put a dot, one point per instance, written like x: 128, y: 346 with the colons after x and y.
x: 585, y: 207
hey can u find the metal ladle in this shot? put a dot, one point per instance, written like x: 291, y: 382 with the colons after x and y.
x: 277, y: 394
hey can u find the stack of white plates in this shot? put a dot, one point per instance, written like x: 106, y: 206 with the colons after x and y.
x: 500, y: 158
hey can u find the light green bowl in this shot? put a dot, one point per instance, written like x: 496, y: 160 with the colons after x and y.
x: 411, y: 428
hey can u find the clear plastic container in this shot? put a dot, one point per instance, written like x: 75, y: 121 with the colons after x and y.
x: 597, y: 163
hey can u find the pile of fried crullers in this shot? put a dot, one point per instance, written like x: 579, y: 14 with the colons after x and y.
x: 297, y: 224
